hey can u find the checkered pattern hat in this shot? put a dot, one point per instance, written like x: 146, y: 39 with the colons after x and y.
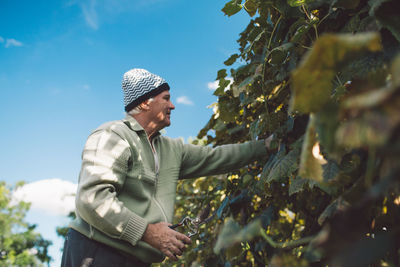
x: 139, y: 85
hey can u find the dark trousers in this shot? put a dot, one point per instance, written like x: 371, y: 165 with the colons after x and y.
x: 80, y: 251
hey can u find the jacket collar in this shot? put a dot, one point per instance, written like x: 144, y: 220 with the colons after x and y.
x: 132, y: 123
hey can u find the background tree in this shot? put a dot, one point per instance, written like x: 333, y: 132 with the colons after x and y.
x: 20, y: 245
x: 323, y: 77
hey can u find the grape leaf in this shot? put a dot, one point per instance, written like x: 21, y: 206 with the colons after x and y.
x: 312, y: 79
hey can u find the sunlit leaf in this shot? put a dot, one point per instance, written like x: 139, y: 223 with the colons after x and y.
x: 312, y: 79
x: 296, y: 3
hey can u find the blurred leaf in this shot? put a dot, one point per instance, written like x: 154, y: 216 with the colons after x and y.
x: 330, y: 170
x: 368, y: 99
x: 287, y: 260
x: 364, y: 252
x: 232, y: 7
x: 386, y: 12
x: 348, y: 4
x: 312, y: 79
x: 395, y: 71
x: 231, y: 234
x: 310, y: 165
x: 373, y: 129
x: 337, y: 205
x: 326, y: 123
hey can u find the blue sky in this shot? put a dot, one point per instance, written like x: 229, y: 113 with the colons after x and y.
x: 61, y: 66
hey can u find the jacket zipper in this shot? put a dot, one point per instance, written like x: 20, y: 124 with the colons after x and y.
x: 157, y: 170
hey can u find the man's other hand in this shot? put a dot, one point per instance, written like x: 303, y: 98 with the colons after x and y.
x: 165, y: 239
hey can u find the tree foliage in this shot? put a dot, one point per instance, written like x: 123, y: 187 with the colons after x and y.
x: 20, y: 245
x: 323, y: 77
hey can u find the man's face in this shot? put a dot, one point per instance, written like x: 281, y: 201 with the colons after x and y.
x: 160, y: 109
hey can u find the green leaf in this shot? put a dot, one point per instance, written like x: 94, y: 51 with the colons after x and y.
x: 251, y: 7
x: 296, y: 3
x: 221, y: 74
x: 232, y: 7
x: 271, y: 162
x: 300, y: 32
x: 279, y: 54
x: 231, y: 59
x: 296, y: 185
x: 237, y: 89
x: 285, y: 166
x: 222, y: 84
x: 227, y: 109
x: 312, y: 80
x: 231, y: 234
x: 387, y: 14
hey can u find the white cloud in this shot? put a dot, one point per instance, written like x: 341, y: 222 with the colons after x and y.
x: 12, y: 42
x: 215, y: 84
x: 90, y: 13
x: 184, y: 100
x: 1, y: 39
x: 86, y: 87
x: 53, y: 196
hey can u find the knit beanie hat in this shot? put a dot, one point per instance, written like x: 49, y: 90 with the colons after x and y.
x: 139, y: 85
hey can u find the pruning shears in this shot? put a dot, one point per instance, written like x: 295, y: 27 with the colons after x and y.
x: 193, y: 224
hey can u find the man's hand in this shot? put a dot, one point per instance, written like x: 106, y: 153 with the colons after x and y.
x: 168, y: 241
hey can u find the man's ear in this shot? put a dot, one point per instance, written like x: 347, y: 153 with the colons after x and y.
x: 144, y: 105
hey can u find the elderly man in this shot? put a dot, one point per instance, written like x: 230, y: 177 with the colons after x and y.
x: 127, y: 183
